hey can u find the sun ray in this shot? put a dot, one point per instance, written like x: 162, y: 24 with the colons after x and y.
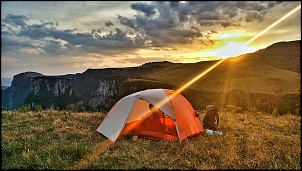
x: 274, y: 24
x: 91, y: 157
x: 227, y: 84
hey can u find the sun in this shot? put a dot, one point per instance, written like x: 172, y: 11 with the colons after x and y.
x: 226, y: 44
x: 230, y: 43
x: 231, y: 49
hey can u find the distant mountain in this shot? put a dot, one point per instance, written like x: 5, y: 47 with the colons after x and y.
x: 269, y: 79
x: 6, y: 82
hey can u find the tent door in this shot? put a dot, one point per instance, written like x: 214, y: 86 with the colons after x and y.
x: 169, y: 125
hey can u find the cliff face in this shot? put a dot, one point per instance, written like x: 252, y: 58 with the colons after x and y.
x: 99, y: 88
x: 14, y: 96
x: 54, y: 92
x: 105, y: 94
x: 95, y: 89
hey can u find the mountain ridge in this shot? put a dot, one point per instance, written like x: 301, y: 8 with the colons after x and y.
x: 273, y: 71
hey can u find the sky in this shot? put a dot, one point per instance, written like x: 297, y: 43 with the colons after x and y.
x: 69, y: 37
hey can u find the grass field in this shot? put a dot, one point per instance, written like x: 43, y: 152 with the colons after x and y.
x: 64, y: 140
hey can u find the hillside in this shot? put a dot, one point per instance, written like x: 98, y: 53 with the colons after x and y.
x: 274, y: 70
x: 64, y: 140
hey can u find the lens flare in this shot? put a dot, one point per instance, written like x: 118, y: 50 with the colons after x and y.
x: 274, y: 24
x: 91, y: 157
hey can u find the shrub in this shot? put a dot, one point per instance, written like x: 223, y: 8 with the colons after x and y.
x: 81, y: 108
x: 232, y: 109
x: 3, y: 109
x: 71, y: 107
x: 252, y: 110
x: 38, y: 108
x: 24, y: 108
x: 275, y: 112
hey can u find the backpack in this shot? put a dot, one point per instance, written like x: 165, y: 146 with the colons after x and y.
x: 211, y: 119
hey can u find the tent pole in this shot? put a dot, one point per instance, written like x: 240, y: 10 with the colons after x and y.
x: 164, y: 122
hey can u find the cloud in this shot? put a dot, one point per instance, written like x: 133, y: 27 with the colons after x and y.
x: 8, y: 61
x: 15, y: 20
x: 255, y: 11
x: 109, y: 23
x: 147, y: 9
x: 165, y: 23
x: 126, y: 21
x: 51, y: 41
x: 156, y: 25
x: 11, y: 43
x: 36, y: 31
x: 254, y: 15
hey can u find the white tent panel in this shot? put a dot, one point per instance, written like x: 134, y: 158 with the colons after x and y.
x: 114, y: 122
x: 140, y: 108
x: 160, y: 100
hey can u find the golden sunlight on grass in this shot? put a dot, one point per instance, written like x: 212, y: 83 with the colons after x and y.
x: 92, y: 156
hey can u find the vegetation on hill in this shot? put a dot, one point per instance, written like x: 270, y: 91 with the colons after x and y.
x: 249, y: 76
x: 59, y: 140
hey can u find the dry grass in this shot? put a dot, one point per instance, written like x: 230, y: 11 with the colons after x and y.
x: 65, y: 140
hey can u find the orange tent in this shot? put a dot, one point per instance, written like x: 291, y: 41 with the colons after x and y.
x: 174, y: 117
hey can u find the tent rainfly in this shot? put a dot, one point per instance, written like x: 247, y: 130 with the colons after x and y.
x: 174, y: 119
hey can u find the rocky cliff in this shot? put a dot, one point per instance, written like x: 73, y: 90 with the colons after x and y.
x: 52, y: 92
x: 14, y: 96
x: 94, y: 89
